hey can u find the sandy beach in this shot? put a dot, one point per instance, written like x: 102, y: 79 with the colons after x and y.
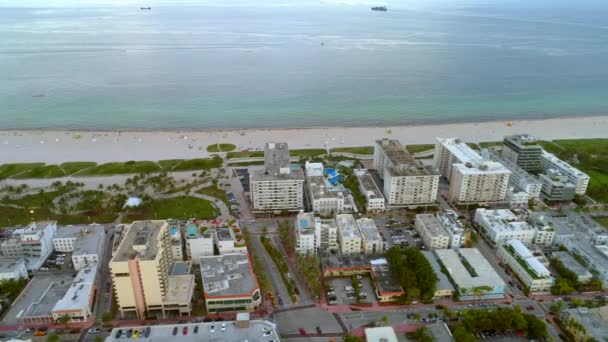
x: 63, y: 146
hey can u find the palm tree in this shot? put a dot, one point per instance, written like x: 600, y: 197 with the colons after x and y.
x: 480, y: 291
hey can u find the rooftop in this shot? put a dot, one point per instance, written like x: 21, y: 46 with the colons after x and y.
x: 367, y: 182
x: 276, y: 155
x: 524, y: 141
x: 384, y: 279
x: 348, y: 226
x: 44, y: 302
x: 8, y: 265
x: 292, y: 172
x: 180, y: 268
x: 402, y: 163
x: 228, y: 275
x: 233, y: 332
x: 224, y: 234
x: 502, y: 220
x: 563, y: 165
x: 485, y: 273
x: 570, y: 263
x: 525, y: 258
x: 523, y: 175
x: 90, y: 241
x: 381, y: 334
x: 443, y: 283
x: 440, y: 332
x: 595, y: 321
x: 432, y: 224
x: 140, y: 240
x: 78, y: 296
x: 345, y: 261
x: 460, y: 150
x: 179, y: 289
x: 485, y: 166
x: 305, y: 223
x: 368, y: 229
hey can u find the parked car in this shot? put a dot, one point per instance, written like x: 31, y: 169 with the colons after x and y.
x: 195, y: 330
x: 223, y: 327
x: 147, y: 332
x: 302, y: 332
x: 174, y: 331
x: 185, y: 331
x: 319, y: 331
x: 94, y: 331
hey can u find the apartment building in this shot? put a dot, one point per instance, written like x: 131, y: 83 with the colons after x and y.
x: 144, y: 275
x: 34, y: 243
x: 199, y: 242
x: 374, y: 199
x: 329, y: 236
x: 175, y: 237
x: 85, y: 242
x: 472, y: 178
x: 279, y: 186
x: 533, y: 274
x: 371, y: 241
x: 520, y: 179
x: 79, y: 299
x: 325, y: 197
x: 229, y: 283
x: 522, y: 150
x: 502, y: 225
x: 227, y: 241
x: 575, y: 176
x: 349, y: 237
x: 407, y: 182
x: 431, y: 231
x: 556, y: 186
x: 308, y: 234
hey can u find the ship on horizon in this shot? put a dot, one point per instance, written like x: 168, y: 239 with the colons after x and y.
x: 379, y: 8
x: 145, y: 8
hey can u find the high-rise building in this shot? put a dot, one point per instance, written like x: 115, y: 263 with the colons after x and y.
x: 144, y: 275
x: 406, y: 180
x: 549, y: 161
x: 522, y: 150
x: 519, y: 178
x: 556, y: 186
x: 279, y: 186
x: 472, y: 178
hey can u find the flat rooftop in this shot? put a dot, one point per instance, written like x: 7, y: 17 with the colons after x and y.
x: 179, y: 289
x: 383, y: 277
x: 276, y: 155
x: 502, y: 220
x: 570, y: 263
x: 347, y: 225
x: 368, y: 229
x: 345, y: 261
x: 90, y: 241
x: 440, y: 332
x: 224, y: 234
x: 232, y: 332
x: 292, y: 172
x: 563, y: 165
x: 8, y: 265
x: 320, y: 187
x: 180, y: 268
x: 523, y: 175
x: 140, y: 240
x: 367, y: 182
x: 44, y: 301
x: 402, y: 163
x: 593, y: 320
x: 443, y: 283
x: 459, y: 149
x: 305, y: 223
x: 432, y: 224
x: 483, y: 167
x: 78, y: 296
x: 485, y: 273
x: 228, y: 275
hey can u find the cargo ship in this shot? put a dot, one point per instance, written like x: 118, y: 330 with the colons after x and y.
x: 379, y: 8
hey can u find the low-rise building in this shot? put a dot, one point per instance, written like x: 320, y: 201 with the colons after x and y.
x: 575, y: 176
x: 34, y: 243
x: 533, y: 274
x: 374, y: 198
x: 556, y: 186
x: 431, y: 231
x: 199, y: 242
x: 227, y: 241
x: 472, y: 275
x: 517, y: 198
x: 569, y: 262
x: 12, y: 268
x: 387, y: 286
x: 229, y: 283
x: 501, y: 225
x: 371, y: 241
x: 443, y: 288
x: 381, y: 334
x: 85, y: 242
x: 279, y: 186
x: 325, y: 197
x: 349, y: 237
x: 329, y: 236
x: 175, y: 236
x: 586, y: 324
x: 407, y: 182
x: 78, y: 301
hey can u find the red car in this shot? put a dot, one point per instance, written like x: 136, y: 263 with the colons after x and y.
x: 302, y: 332
x: 185, y: 331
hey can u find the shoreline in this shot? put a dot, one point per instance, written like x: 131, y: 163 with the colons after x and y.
x: 57, y: 146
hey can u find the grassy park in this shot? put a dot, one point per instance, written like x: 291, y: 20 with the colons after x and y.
x: 419, y: 148
x: 245, y: 154
x: 180, y: 208
x: 354, y: 150
x: 221, y: 148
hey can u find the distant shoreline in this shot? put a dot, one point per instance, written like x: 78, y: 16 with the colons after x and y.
x: 57, y: 146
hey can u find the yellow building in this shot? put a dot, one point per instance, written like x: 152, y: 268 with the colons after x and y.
x: 145, y: 278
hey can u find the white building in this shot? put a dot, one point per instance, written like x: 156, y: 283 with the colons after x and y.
x: 501, y: 225
x: 12, y: 268
x: 349, y: 237
x: 520, y: 179
x: 34, y: 243
x: 371, y: 241
x: 308, y: 234
x: 534, y: 275
x: 431, y: 231
x: 575, y: 176
x: 517, y: 198
x: 373, y: 196
x: 473, y: 179
x: 326, y: 198
x: 78, y: 301
x: 556, y: 186
x: 199, y: 242
x: 85, y: 242
x: 175, y: 236
x: 469, y: 270
x: 279, y: 186
x: 329, y: 235
x: 226, y: 241
x: 406, y: 180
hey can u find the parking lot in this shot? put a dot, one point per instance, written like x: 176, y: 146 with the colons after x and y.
x: 398, y: 235
x: 58, y: 261
x: 344, y: 297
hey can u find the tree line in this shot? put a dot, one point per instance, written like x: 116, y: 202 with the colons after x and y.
x: 414, y: 272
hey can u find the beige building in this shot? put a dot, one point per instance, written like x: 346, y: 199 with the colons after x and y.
x: 349, y: 237
x: 406, y: 180
x: 431, y: 232
x: 371, y: 241
x: 279, y: 186
x: 145, y: 278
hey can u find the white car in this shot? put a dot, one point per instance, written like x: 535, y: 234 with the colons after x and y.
x: 223, y: 327
x: 212, y: 329
x: 44, y: 269
x: 94, y: 331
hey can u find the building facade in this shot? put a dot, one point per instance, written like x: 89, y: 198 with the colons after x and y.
x: 502, y: 225
x: 34, y: 243
x: 374, y: 198
x: 575, y: 176
x: 533, y: 274
x: 431, y: 231
x: 78, y: 302
x: 349, y: 237
x: 326, y: 198
x: 12, y: 268
x: 371, y: 241
x: 199, y: 242
x: 556, y: 186
x: 522, y: 150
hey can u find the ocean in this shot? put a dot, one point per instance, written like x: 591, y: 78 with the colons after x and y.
x: 230, y: 64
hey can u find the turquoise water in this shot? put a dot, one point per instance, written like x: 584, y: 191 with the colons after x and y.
x: 297, y: 64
